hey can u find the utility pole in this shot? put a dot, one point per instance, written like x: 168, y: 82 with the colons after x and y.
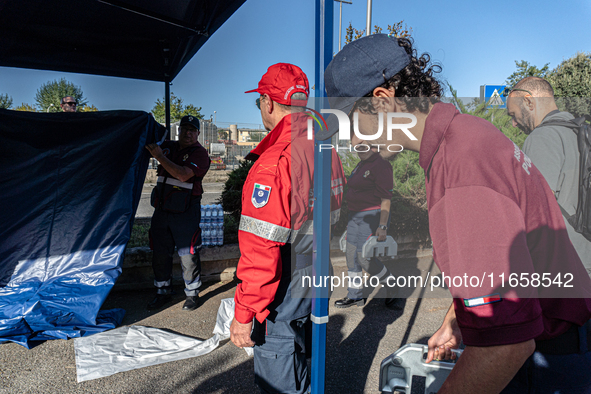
x: 341, y: 19
x: 368, y: 25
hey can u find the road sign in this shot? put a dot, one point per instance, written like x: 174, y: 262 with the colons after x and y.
x: 493, y: 94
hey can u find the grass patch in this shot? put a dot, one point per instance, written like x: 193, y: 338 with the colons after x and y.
x: 139, y: 234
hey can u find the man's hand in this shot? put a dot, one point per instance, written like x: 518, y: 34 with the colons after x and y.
x: 182, y: 173
x: 487, y: 369
x: 381, y: 234
x: 155, y: 151
x: 446, y: 338
x: 240, y: 334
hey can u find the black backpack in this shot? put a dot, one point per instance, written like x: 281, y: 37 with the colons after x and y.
x: 581, y: 220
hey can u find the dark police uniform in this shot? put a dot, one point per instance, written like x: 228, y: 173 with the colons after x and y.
x: 176, y: 218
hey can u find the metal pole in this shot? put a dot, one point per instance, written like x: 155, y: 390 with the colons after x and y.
x: 167, y: 106
x: 368, y: 25
x: 340, y: 23
x: 341, y: 20
x: 322, y: 171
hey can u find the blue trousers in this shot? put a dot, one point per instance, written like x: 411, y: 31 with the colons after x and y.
x: 280, y: 356
x: 555, y: 374
x: 360, y: 227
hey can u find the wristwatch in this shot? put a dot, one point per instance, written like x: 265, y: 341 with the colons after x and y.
x: 383, y: 227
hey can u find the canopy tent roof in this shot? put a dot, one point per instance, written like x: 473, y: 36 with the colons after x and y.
x: 141, y: 39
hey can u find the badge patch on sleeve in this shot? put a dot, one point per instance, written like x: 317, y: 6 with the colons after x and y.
x: 488, y: 299
x: 260, y: 195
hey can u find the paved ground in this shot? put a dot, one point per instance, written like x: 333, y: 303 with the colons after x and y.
x: 211, y: 192
x: 358, y: 340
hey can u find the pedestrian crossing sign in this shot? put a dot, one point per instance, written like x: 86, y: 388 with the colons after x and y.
x: 493, y: 95
x: 496, y: 99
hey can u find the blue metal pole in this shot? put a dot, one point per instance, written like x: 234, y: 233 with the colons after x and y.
x: 322, y: 171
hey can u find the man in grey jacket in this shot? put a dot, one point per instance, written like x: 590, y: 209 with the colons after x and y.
x: 553, y: 149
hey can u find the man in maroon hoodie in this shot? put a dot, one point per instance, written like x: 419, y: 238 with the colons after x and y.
x: 491, y: 216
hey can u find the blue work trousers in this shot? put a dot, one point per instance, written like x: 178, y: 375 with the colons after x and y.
x: 280, y: 356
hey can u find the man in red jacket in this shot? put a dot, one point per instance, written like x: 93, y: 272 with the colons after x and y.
x: 492, y: 218
x: 275, y: 235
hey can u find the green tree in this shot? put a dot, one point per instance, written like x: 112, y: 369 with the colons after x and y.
x: 524, y: 69
x: 5, y: 101
x: 26, y: 107
x: 257, y: 136
x: 177, y: 110
x: 397, y: 30
x: 231, y: 200
x: 222, y: 134
x: 88, y: 108
x: 52, y: 92
x: 571, y: 81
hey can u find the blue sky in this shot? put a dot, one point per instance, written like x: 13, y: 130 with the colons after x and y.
x: 476, y: 42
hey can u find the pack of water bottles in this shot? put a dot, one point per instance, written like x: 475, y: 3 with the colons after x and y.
x: 212, y: 225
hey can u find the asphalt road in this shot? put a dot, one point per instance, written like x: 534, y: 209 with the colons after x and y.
x: 358, y: 339
x: 211, y: 193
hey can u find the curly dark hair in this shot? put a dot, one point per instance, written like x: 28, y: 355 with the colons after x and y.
x: 415, y: 84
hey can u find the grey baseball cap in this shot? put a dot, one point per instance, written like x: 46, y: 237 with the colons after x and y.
x: 356, y: 70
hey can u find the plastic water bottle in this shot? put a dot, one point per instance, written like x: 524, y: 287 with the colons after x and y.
x: 210, y: 231
x: 220, y: 233
x: 220, y: 214
x: 208, y: 214
x: 214, y: 234
x: 202, y: 227
x: 206, y: 234
x: 214, y: 213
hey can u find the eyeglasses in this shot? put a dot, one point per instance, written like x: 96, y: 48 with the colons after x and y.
x: 73, y: 103
x: 258, y: 102
x: 508, y: 91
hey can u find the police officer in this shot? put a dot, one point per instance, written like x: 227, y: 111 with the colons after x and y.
x: 177, y: 202
x: 275, y: 235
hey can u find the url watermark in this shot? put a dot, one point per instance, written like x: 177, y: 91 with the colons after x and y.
x: 514, y: 280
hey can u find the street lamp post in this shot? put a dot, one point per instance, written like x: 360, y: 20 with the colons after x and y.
x: 368, y: 25
x: 341, y: 19
x: 214, y: 117
x: 50, y: 105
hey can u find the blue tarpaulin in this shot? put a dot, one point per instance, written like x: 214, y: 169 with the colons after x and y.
x: 70, y: 186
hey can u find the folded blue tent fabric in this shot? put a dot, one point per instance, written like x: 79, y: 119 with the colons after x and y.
x: 70, y: 186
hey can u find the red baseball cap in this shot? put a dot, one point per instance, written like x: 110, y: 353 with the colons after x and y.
x: 281, y: 81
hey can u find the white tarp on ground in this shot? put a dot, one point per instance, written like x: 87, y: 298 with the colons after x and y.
x: 134, y: 347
